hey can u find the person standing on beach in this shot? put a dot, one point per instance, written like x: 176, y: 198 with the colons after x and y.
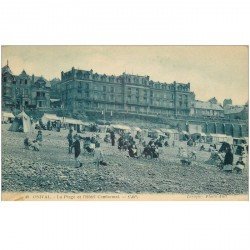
x: 70, y: 140
x: 77, y: 147
x: 228, y: 160
x: 112, y: 137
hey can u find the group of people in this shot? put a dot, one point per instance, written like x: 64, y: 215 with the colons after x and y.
x: 224, y: 159
x: 126, y: 142
x: 90, y: 145
x: 34, y: 144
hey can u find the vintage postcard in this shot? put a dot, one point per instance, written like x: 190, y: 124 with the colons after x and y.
x: 124, y: 123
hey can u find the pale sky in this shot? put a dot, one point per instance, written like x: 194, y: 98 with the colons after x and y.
x: 220, y: 71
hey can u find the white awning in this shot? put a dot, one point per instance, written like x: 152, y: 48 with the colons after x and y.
x: 7, y: 115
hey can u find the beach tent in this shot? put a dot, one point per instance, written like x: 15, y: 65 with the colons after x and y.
x: 7, y: 117
x: 21, y: 123
x: 50, y: 117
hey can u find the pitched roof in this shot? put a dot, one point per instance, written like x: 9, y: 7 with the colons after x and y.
x: 207, y: 105
x: 41, y: 78
x: 234, y: 110
x: 5, y: 69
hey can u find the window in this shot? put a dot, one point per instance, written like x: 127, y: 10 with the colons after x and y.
x: 137, y: 99
x: 112, y: 97
x: 104, y: 96
x: 43, y: 94
x: 26, y: 103
x: 137, y: 91
x: 151, y: 93
x: 37, y: 93
x: 25, y: 81
x: 5, y: 79
x: 112, y: 90
x: 129, y: 91
x: 87, y: 86
x: 20, y: 81
x: 104, y: 88
x: 40, y: 103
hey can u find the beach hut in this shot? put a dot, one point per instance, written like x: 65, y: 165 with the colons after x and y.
x: 7, y: 117
x: 21, y: 123
x: 218, y: 138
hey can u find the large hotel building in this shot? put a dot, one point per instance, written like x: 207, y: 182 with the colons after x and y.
x: 86, y: 90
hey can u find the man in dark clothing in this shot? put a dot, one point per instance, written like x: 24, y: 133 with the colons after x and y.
x: 70, y: 140
x: 77, y: 147
x: 112, y: 137
x: 228, y: 161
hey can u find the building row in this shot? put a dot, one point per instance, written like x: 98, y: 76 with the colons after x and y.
x: 81, y: 90
x: 24, y: 90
